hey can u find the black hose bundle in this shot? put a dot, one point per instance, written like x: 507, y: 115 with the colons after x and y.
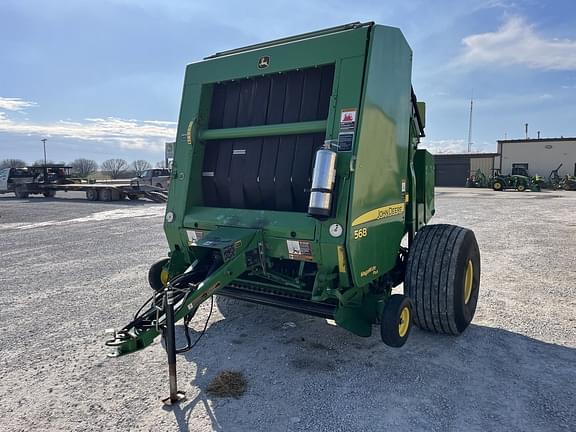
x: 181, y: 286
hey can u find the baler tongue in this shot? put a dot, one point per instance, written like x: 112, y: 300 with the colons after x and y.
x: 223, y: 255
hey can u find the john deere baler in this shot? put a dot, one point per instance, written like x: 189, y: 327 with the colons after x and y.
x: 296, y: 177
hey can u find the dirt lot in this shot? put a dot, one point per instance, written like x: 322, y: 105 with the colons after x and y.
x: 72, y: 268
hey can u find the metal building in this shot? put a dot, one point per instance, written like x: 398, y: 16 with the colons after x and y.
x: 537, y: 156
x: 454, y: 169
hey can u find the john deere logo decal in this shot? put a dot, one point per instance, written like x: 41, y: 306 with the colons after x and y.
x: 264, y: 62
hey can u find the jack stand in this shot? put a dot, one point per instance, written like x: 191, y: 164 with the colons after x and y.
x: 170, y: 338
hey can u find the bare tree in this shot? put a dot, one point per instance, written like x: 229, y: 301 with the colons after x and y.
x: 12, y: 163
x: 161, y: 164
x: 140, y: 166
x: 84, y: 167
x: 114, y: 167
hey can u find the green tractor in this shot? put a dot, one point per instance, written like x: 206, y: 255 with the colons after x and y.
x: 296, y: 178
x: 569, y: 183
x: 478, y: 180
x: 554, y: 179
x: 517, y: 182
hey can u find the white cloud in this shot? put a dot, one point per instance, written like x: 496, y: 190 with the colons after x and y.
x: 444, y: 146
x: 15, y: 104
x: 504, y: 4
x: 517, y: 42
x: 129, y: 134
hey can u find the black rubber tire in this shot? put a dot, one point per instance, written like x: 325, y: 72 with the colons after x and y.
x: 435, y: 278
x: 498, y: 186
x: 155, y: 274
x: 105, y: 195
x: 133, y: 197
x: 520, y: 188
x: 50, y: 193
x: 92, y: 195
x: 391, y: 318
x: 159, y: 185
x: 20, y: 194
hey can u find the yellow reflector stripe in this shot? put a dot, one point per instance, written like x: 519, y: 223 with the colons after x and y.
x: 341, y: 259
x: 379, y: 213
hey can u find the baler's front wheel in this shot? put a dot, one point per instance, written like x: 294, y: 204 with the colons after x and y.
x: 443, y: 278
x: 396, y: 321
x: 158, y: 275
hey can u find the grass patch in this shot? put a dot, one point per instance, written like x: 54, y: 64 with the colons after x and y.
x: 228, y: 384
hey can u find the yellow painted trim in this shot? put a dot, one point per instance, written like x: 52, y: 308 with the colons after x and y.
x: 404, y: 323
x: 370, y: 270
x: 341, y: 259
x: 468, y: 282
x: 189, y: 132
x: 379, y: 213
x: 407, y: 198
x: 164, y: 276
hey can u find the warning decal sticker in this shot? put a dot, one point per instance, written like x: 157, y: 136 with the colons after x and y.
x: 345, y: 140
x: 347, y: 127
x: 299, y: 250
x: 348, y: 119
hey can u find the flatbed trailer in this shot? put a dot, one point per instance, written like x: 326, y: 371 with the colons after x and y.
x: 110, y: 192
x: 23, y: 183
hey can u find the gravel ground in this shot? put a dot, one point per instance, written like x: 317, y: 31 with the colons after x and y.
x: 72, y: 268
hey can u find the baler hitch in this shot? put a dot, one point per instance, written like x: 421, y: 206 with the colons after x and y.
x: 182, y: 296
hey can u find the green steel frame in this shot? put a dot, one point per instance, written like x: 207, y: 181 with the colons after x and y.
x: 384, y: 184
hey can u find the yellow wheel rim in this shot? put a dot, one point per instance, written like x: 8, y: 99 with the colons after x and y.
x: 404, y: 323
x: 164, y: 277
x: 497, y: 186
x: 468, y: 282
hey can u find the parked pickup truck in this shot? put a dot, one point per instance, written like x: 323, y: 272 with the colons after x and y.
x: 159, y: 177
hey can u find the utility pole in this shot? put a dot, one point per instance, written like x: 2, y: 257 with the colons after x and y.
x: 45, y: 169
x: 470, y: 124
x: 44, y: 142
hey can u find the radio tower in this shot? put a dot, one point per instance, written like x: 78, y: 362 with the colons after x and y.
x: 470, y: 124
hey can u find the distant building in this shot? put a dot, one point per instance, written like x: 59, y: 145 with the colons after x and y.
x: 453, y: 169
x: 537, y: 156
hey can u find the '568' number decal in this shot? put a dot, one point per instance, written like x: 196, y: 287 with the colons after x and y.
x: 360, y: 233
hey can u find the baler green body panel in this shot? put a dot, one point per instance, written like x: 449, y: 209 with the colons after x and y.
x: 344, y: 49
x: 425, y: 178
x: 244, y: 155
x: 381, y: 174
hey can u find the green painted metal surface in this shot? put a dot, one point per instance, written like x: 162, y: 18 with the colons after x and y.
x: 381, y: 173
x: 425, y: 168
x: 371, y: 121
x: 233, y: 244
x: 261, y: 131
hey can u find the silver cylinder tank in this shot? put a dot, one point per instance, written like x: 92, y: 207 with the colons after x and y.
x: 323, y: 178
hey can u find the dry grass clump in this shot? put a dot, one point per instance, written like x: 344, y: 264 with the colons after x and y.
x: 228, y: 384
